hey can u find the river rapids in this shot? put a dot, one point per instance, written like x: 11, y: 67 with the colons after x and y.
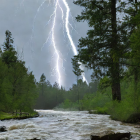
x: 64, y: 125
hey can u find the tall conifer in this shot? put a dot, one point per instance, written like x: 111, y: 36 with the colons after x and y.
x: 103, y: 48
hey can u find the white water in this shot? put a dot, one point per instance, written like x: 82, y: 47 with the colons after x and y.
x: 64, y: 125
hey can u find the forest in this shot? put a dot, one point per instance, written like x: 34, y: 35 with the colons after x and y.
x: 111, y: 49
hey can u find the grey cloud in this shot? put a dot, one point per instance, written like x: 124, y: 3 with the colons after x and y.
x: 18, y: 17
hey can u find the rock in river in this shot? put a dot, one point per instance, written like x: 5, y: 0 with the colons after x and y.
x: 110, y: 135
x: 35, y: 139
x: 2, y: 129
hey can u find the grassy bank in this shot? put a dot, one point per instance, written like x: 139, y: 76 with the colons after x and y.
x: 7, y: 116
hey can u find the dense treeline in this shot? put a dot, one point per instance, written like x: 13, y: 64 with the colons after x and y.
x: 17, y: 84
x: 51, y: 96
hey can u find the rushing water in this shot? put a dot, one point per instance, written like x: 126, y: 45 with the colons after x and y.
x: 64, y: 125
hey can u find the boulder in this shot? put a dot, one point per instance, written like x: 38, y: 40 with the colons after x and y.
x: 110, y: 135
x: 35, y: 139
x: 91, y: 111
x: 134, y: 118
x: 2, y: 129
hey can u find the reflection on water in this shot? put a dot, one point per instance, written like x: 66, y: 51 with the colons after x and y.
x: 64, y: 125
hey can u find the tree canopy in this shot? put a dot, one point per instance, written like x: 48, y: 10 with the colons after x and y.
x: 106, y: 44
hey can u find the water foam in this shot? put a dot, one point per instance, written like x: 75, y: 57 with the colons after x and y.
x: 64, y: 125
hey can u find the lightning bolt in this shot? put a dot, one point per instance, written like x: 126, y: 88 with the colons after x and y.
x: 52, y: 33
x: 54, y: 45
x: 66, y: 22
x: 70, y: 38
x: 66, y: 25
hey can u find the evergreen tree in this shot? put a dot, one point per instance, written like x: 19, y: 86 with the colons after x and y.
x: 8, y: 44
x: 10, y: 55
x: 76, y: 67
x: 135, y: 55
x: 17, y: 85
x: 48, y: 83
x: 132, y: 25
x: 77, y: 71
x: 56, y: 92
x: 103, y: 48
x: 56, y: 85
x: 43, y: 78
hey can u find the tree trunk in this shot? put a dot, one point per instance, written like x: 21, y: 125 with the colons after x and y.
x: 115, y: 70
x: 16, y: 112
x: 20, y: 113
x: 116, y: 93
x: 136, y: 76
x: 78, y: 89
x: 56, y: 98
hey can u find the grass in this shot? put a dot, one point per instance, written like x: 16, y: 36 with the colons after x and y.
x: 7, y: 116
x: 4, y: 115
x: 101, y: 110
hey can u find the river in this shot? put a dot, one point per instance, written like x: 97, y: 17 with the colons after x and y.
x: 64, y: 125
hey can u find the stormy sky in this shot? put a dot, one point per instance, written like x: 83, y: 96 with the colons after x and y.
x: 28, y: 22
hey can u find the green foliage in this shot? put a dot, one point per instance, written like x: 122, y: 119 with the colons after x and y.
x: 127, y: 110
x: 96, y: 100
x: 49, y: 95
x: 104, y: 48
x: 68, y: 105
x: 8, y: 44
x: 6, y: 116
x: 121, y: 111
x: 42, y: 78
x: 76, y: 67
x: 101, y: 110
x: 104, y: 83
x: 86, y: 102
x: 52, y: 96
x: 17, y: 85
x: 9, y: 57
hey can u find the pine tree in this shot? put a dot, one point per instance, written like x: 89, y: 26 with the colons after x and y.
x: 56, y: 92
x: 56, y: 85
x: 8, y: 44
x: 17, y: 86
x: 77, y: 71
x: 48, y: 83
x: 135, y: 55
x: 103, y: 48
x: 10, y: 55
x: 132, y: 25
x: 43, y: 78
x: 76, y: 67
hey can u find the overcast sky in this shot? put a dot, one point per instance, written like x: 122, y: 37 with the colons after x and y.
x: 30, y: 29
